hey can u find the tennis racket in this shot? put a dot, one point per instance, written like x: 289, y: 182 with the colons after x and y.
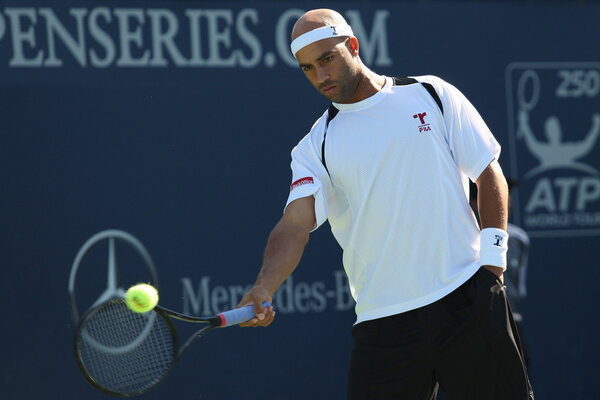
x: 123, y: 353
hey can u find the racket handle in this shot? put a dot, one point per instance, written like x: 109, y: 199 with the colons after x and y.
x: 238, y: 315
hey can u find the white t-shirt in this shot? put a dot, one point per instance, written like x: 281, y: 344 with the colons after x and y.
x: 394, y: 186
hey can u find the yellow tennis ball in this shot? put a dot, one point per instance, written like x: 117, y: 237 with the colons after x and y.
x: 141, y: 298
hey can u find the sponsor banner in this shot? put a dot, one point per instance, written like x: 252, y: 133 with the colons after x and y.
x: 166, y: 35
x: 554, y: 128
x: 205, y: 297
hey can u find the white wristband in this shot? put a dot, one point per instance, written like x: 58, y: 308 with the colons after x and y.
x: 494, y: 245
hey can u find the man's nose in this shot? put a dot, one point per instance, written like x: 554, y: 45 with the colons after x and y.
x: 322, y: 74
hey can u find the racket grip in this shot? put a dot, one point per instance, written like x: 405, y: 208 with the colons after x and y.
x: 238, y: 315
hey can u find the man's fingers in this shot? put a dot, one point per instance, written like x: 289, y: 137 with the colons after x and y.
x: 263, y: 315
x: 263, y: 320
x: 263, y: 312
x: 246, y: 324
x: 258, y: 304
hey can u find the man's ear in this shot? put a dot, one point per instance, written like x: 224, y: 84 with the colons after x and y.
x: 352, y: 45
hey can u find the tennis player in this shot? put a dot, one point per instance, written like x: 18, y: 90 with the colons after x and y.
x: 388, y: 164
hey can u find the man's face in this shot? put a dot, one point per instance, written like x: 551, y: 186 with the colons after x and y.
x: 330, y: 68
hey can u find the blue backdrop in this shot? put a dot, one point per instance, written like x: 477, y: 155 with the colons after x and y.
x: 173, y: 121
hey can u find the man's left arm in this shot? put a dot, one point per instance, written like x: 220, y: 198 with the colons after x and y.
x: 492, y: 203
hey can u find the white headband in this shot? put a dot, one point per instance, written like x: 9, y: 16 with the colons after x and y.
x: 324, y: 32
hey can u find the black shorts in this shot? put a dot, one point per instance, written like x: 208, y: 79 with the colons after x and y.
x: 466, y: 343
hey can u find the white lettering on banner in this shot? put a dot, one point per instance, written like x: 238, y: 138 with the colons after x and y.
x: 544, y: 197
x: 292, y: 296
x: 196, y: 48
x: 21, y: 36
x: 376, y: 41
x: 164, y: 40
x: 2, y: 26
x: 282, y: 35
x: 216, y: 37
x: 207, y: 301
x: 578, y: 83
x: 582, y: 219
x: 55, y: 28
x: 102, y: 37
x: 131, y: 35
x: 248, y: 38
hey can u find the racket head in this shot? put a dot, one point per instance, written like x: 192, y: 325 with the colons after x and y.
x: 123, y: 353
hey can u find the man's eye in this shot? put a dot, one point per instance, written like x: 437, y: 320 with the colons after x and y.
x: 306, y: 68
x: 328, y: 58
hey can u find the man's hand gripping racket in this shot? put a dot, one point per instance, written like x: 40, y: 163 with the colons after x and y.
x: 260, y: 300
x: 124, y: 353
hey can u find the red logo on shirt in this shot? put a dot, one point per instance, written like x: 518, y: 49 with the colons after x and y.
x: 423, y: 127
x: 301, y: 181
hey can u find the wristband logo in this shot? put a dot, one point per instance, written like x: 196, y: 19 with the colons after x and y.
x: 498, y: 240
x: 554, y: 126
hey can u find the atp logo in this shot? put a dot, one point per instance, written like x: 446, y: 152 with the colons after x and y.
x: 554, y: 126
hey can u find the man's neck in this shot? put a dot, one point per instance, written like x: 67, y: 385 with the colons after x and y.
x: 369, y: 84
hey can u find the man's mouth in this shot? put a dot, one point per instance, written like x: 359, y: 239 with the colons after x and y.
x: 328, y: 89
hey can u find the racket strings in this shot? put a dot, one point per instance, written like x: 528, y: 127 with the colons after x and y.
x: 125, y: 352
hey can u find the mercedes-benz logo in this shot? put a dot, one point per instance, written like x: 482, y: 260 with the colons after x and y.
x: 112, y: 288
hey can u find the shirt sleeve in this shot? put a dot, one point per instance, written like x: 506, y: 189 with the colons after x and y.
x: 472, y: 144
x: 309, y: 176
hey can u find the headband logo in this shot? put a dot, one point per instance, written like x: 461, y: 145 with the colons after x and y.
x: 333, y: 27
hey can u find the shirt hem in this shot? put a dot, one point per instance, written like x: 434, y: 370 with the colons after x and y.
x: 320, y: 203
x: 483, y: 163
x: 420, y: 302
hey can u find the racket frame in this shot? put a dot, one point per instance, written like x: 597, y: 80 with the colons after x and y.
x: 178, y: 351
x: 78, y: 338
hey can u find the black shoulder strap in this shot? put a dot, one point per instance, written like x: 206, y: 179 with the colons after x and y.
x: 433, y: 94
x: 404, y: 81
x: 331, y: 113
x: 428, y: 86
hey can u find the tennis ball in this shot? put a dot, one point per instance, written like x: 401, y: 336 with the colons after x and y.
x: 141, y: 298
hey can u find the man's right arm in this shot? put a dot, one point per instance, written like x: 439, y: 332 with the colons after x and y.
x: 282, y: 254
